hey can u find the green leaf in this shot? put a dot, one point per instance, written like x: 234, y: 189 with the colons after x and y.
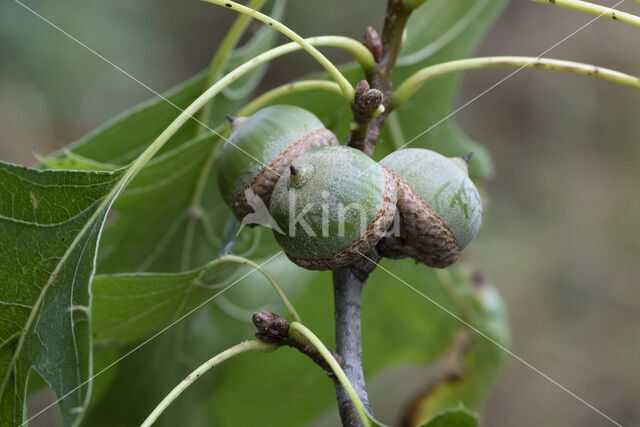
x: 164, y: 195
x: 236, y: 94
x: 128, y: 307
x: 463, y: 364
x: 134, y: 386
x: 154, y: 211
x: 120, y: 140
x: 455, y: 417
x: 129, y: 390
x: 50, y: 223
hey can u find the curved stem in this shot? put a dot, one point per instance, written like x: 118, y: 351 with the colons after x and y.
x: 415, y: 82
x: 595, y: 9
x: 337, y: 41
x: 224, y: 52
x: 287, y: 89
x: 243, y: 347
x: 335, y: 366
x: 265, y: 273
x: 346, y: 87
x: 195, y: 212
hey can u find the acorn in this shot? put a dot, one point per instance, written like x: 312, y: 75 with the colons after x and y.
x: 261, y: 147
x: 332, y: 205
x: 439, y: 207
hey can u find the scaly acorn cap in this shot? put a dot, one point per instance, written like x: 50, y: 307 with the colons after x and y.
x: 260, y: 149
x: 333, y: 204
x: 439, y: 206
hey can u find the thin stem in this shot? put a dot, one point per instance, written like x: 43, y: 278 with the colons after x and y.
x: 415, y: 82
x: 595, y: 9
x: 335, y: 366
x: 195, y: 212
x: 287, y: 89
x: 224, y: 52
x: 243, y: 347
x: 346, y: 87
x: 394, y: 25
x: 265, y: 273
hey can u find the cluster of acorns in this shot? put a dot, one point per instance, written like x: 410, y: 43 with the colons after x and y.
x: 332, y: 203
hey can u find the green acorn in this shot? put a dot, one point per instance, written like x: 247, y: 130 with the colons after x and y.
x: 332, y: 205
x: 439, y: 206
x: 261, y: 147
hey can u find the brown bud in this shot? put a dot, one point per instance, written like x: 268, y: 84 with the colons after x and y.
x: 366, y: 101
x: 373, y: 43
x: 271, y: 327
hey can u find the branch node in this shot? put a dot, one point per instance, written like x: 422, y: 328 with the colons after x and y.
x: 274, y: 329
x: 366, y: 101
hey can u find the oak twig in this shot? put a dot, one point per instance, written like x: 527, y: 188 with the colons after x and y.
x: 348, y: 282
x: 385, y: 49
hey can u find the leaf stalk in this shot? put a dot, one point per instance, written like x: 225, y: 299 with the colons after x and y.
x: 417, y: 80
x: 345, y: 86
x: 243, y: 347
x: 595, y: 9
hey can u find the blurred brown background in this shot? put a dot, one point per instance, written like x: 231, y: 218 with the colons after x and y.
x: 562, y: 233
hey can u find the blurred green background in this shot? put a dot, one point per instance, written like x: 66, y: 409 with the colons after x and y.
x: 561, y: 238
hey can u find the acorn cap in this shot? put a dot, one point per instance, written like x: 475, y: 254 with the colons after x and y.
x: 339, y: 203
x: 440, y: 208
x: 422, y: 234
x: 261, y: 147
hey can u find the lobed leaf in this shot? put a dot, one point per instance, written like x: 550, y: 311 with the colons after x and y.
x: 128, y: 391
x: 50, y: 224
